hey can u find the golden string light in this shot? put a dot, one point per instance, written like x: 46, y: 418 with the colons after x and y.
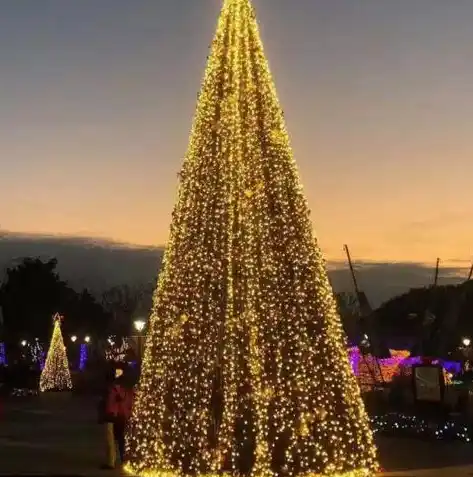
x: 245, y: 369
x: 56, y: 375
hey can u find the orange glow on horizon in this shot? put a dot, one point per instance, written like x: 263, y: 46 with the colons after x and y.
x: 379, y: 118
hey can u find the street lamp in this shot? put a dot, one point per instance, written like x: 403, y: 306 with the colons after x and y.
x: 24, y: 343
x: 73, y: 338
x: 139, y: 327
x: 87, y: 339
x: 466, y: 350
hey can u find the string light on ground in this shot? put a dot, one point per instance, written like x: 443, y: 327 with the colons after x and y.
x: 23, y: 392
x: 398, y: 424
x: 56, y: 375
x: 355, y: 473
x: 245, y: 369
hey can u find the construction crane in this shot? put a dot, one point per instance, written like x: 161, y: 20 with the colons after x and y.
x: 369, y: 335
x: 436, y: 276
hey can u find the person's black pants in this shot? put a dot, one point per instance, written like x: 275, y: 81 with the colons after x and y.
x: 119, y: 434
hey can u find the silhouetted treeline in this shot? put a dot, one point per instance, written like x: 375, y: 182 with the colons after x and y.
x: 33, y: 291
x: 441, y: 316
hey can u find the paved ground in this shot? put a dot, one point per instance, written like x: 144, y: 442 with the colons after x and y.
x: 58, y: 434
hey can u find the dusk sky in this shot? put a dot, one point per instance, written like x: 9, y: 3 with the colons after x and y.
x: 98, y: 98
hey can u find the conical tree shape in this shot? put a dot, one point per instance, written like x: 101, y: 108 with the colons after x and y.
x: 245, y: 369
x: 55, y: 375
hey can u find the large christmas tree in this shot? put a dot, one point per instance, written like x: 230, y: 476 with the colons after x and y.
x: 56, y: 375
x: 245, y: 368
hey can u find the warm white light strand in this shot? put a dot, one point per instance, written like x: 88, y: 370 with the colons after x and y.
x: 243, y: 300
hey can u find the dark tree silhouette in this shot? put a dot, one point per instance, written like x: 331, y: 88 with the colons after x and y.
x: 33, y: 291
x: 84, y: 314
x: 125, y: 303
x: 404, y: 320
x: 29, y: 297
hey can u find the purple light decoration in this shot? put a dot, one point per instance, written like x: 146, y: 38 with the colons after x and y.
x: 453, y: 367
x: 3, y: 355
x: 83, y: 356
x: 354, y: 356
x: 42, y: 360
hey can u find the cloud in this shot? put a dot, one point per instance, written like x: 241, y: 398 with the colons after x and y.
x: 383, y: 280
x: 97, y: 264
x: 100, y: 264
x: 439, y: 221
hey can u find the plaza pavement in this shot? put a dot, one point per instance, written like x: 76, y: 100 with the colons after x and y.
x: 58, y: 435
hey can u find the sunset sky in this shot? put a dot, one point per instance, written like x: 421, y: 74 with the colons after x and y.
x: 98, y: 98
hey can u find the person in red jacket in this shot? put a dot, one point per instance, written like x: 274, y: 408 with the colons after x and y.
x: 118, y: 406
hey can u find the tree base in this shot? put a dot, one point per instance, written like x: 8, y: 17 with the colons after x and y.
x: 167, y: 473
x: 56, y: 392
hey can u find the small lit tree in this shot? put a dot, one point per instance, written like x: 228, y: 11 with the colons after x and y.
x: 56, y: 375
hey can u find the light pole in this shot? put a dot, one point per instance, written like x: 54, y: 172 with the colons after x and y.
x: 466, y: 351
x: 139, y: 326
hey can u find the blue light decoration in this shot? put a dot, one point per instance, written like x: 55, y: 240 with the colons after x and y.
x: 3, y: 355
x: 83, y: 356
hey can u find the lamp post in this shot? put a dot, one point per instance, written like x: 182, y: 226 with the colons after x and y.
x: 465, y: 346
x: 465, y: 349
x: 24, y: 350
x: 139, y: 326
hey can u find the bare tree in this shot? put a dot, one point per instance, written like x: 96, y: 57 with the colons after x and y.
x: 125, y: 303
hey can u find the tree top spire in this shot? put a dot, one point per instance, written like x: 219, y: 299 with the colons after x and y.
x: 57, y: 317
